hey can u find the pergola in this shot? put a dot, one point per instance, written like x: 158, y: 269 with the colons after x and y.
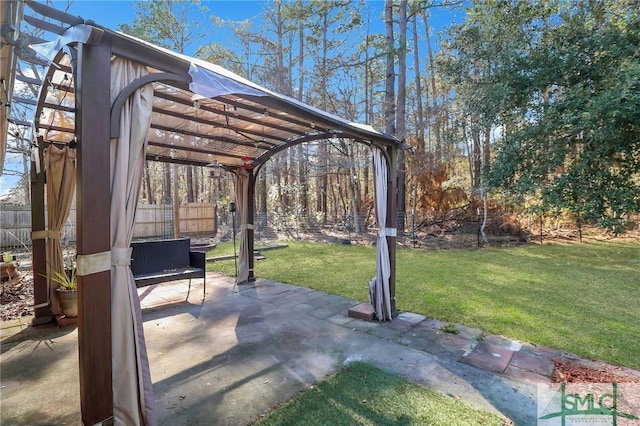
x: 108, y: 103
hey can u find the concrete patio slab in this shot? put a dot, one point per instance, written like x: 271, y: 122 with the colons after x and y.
x: 245, y: 349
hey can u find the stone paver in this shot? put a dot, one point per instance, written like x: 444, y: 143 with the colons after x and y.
x: 361, y: 325
x: 525, y: 376
x: 322, y: 313
x: 528, y: 348
x: 316, y: 301
x: 341, y: 319
x: 385, y: 332
x: 503, y: 342
x: 454, y: 345
x: 341, y: 306
x: 363, y: 311
x: 411, y: 317
x: 291, y: 300
x: 536, y: 364
x: 489, y: 357
x: 302, y: 307
x: 469, y: 333
x: 430, y: 324
x: 400, y: 325
x: 417, y: 341
x: 332, y: 298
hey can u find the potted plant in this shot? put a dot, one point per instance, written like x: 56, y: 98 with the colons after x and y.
x: 67, y: 291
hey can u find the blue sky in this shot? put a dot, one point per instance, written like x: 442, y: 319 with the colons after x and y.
x: 112, y: 13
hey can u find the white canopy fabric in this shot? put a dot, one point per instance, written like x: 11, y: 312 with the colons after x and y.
x: 242, y: 197
x: 216, y: 116
x: 210, y: 84
x: 133, y: 402
x: 379, y: 293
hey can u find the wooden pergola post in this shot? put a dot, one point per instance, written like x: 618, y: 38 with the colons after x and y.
x: 42, y: 313
x: 392, y: 221
x: 93, y: 230
x: 251, y: 208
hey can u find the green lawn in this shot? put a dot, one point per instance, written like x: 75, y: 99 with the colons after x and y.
x: 364, y: 395
x: 582, y: 297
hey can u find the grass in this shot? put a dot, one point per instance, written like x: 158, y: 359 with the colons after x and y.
x: 581, y: 298
x: 364, y: 395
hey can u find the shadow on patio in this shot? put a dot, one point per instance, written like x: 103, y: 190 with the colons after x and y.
x: 233, y: 357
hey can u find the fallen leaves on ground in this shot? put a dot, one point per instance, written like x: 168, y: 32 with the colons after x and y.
x: 569, y: 371
x: 16, y: 297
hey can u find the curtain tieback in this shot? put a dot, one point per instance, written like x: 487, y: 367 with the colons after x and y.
x: 47, y: 233
x: 88, y: 264
x: 99, y: 262
x: 388, y: 232
x: 246, y: 226
x: 121, y: 256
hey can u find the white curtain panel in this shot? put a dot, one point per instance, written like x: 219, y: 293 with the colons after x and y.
x: 133, y: 401
x: 242, y: 198
x: 379, y: 294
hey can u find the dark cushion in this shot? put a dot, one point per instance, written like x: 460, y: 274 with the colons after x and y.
x: 155, y: 256
x: 175, y: 274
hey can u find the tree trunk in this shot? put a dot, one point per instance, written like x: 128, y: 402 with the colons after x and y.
x: 189, y: 182
x: 390, y: 81
x: 353, y: 189
x: 389, y: 95
x: 277, y: 168
x: 401, y: 110
x: 419, y: 111
x: 304, y: 183
x: 151, y: 199
x: 167, y: 182
x: 301, y: 44
x: 303, y: 170
x: 368, y: 105
x: 176, y: 203
x: 477, y: 156
x: 434, y: 93
x: 262, y: 196
x: 26, y: 183
x: 284, y: 172
x: 334, y: 203
x: 323, y: 181
x: 486, y: 150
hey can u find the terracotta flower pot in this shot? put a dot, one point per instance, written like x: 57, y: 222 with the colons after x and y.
x: 68, y: 302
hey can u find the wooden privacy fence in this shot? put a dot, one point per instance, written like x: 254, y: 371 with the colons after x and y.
x: 152, y: 221
x: 15, y: 227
